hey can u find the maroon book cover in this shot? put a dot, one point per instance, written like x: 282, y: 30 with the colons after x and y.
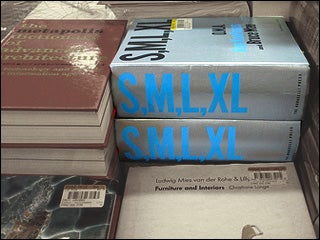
x: 58, y: 64
x: 57, y: 67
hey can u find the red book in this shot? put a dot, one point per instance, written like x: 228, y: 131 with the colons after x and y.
x: 55, y: 87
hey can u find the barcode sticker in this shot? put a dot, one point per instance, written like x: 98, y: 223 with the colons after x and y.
x: 269, y: 175
x: 83, y: 196
x: 181, y: 24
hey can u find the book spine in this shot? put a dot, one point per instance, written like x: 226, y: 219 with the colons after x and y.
x: 266, y: 92
x: 206, y: 139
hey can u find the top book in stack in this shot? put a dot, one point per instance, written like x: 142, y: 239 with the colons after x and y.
x: 55, y: 85
x: 224, y: 67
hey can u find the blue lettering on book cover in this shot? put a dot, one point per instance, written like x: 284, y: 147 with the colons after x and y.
x: 159, y: 97
x: 161, y: 145
x: 239, y: 43
x: 165, y: 94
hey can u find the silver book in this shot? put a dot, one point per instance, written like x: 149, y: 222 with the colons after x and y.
x: 222, y: 68
x: 206, y: 139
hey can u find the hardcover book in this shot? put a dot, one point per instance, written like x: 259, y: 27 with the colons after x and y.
x: 58, y: 207
x: 55, y: 80
x: 107, y: 168
x: 206, y: 139
x: 161, y: 9
x: 224, y: 67
x: 234, y: 201
x: 80, y: 161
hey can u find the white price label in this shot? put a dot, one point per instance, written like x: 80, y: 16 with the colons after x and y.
x: 269, y: 175
x: 181, y: 24
x: 83, y: 196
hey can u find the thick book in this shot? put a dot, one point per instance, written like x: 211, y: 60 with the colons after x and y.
x: 58, y: 207
x: 161, y: 9
x: 55, y: 80
x: 233, y: 201
x: 107, y: 167
x: 206, y: 139
x: 61, y: 153
x: 224, y: 67
x: 57, y: 134
x: 80, y: 161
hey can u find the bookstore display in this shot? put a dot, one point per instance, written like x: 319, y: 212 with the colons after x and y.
x: 163, y: 119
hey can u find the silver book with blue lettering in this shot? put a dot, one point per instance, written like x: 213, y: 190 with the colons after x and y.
x: 206, y: 139
x: 223, y: 68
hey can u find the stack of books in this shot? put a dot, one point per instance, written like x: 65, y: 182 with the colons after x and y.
x: 56, y: 105
x: 208, y: 91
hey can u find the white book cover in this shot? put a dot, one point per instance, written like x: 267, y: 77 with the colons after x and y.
x: 237, y: 201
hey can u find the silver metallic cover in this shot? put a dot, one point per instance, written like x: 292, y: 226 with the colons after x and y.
x: 194, y: 139
x: 273, y: 80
